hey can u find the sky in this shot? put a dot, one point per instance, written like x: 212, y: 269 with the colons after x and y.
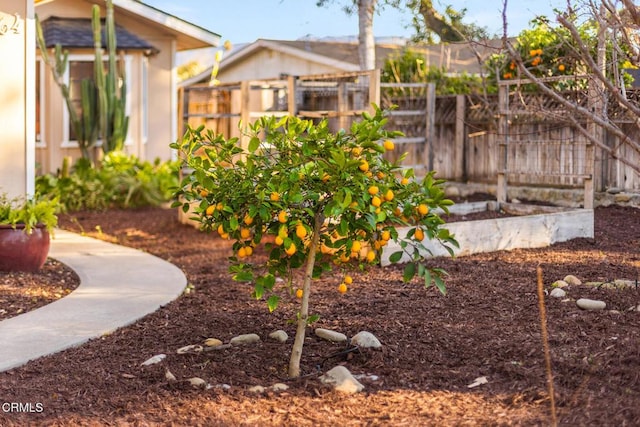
x: 244, y: 21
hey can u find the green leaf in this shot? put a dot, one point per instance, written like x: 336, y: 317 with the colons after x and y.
x: 272, y: 303
x: 312, y: 319
x: 395, y: 257
x: 243, y: 276
x: 440, y: 285
x: 409, y: 272
x: 233, y: 223
x: 258, y: 291
x: 254, y: 144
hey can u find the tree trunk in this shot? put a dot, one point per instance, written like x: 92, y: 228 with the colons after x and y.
x: 366, y: 41
x: 303, y: 316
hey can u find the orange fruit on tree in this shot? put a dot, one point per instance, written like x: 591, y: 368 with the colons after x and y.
x: 356, y: 246
x: 220, y: 206
x: 204, y: 193
x: 364, y: 166
x: 376, y: 201
x: 291, y: 249
x: 388, y: 196
x: 301, y: 231
x: 423, y: 209
x: 248, y: 220
x: 242, y: 252
x: 348, y: 279
x: 371, y: 256
x: 419, y: 234
x: 279, y: 240
x: 404, y: 181
x: 210, y: 210
x: 220, y: 229
x: 245, y: 233
x: 388, y: 145
x: 248, y: 250
x: 299, y: 293
x: 282, y: 217
x: 373, y: 190
x: 385, y: 235
x: 342, y: 288
x: 275, y: 196
x: 356, y: 151
x: 326, y: 177
x: 380, y: 175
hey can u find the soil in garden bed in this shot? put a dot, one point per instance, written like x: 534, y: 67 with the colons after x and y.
x: 434, y: 346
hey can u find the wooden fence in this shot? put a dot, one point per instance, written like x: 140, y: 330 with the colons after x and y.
x: 463, y: 137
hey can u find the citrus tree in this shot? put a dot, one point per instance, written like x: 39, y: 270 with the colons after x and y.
x: 315, y: 200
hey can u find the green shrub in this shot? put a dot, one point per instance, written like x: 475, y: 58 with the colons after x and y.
x: 121, y: 181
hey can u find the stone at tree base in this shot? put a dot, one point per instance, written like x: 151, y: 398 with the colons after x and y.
x: 364, y: 339
x: 341, y: 380
x: 279, y: 387
x: 212, y: 342
x: 330, y: 335
x: 197, y: 382
x: 257, y: 389
x: 169, y: 375
x: 590, y: 304
x: 559, y: 284
x: 279, y: 335
x: 192, y: 348
x: 572, y: 280
x: 245, y: 339
x: 558, y: 293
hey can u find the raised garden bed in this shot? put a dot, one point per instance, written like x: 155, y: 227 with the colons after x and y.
x: 515, y: 225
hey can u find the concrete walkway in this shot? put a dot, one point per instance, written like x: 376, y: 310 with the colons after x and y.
x: 118, y: 286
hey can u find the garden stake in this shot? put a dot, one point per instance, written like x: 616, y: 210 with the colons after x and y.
x: 545, y: 345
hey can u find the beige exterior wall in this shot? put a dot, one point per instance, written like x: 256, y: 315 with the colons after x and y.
x: 268, y: 64
x: 147, y: 142
x: 17, y: 97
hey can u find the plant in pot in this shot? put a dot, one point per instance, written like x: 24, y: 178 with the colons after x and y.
x: 25, y: 227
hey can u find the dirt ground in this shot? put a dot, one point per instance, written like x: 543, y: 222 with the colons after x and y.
x: 434, y: 346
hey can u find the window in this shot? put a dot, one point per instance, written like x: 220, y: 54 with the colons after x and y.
x: 80, y: 68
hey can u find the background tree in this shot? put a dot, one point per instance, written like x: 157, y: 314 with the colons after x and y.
x: 593, y: 43
x: 427, y: 22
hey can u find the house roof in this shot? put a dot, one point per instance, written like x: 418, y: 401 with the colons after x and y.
x: 187, y: 35
x: 78, y: 33
x: 454, y: 57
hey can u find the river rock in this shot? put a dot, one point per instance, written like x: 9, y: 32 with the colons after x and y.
x: 558, y: 293
x: 364, y: 339
x: 559, y: 284
x: 245, y: 339
x: 192, y: 348
x: 257, y: 389
x: 279, y: 387
x: 197, y: 382
x: 330, y: 335
x: 572, y: 280
x: 591, y: 304
x: 341, y: 380
x: 279, y: 335
x: 155, y: 359
x: 212, y: 342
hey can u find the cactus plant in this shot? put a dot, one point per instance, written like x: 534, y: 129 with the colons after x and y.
x: 103, y: 98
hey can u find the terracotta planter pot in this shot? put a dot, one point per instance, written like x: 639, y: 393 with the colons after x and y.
x: 20, y: 251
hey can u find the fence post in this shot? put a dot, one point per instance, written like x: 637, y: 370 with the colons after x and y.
x: 182, y: 96
x: 374, y: 88
x: 458, y: 153
x: 245, y: 107
x: 343, y: 105
x: 503, y: 142
x: 431, y: 123
x: 292, y: 107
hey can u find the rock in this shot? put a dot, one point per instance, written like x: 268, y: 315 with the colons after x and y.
x: 155, y: 359
x: 572, y: 280
x: 279, y: 335
x: 590, y: 304
x: 452, y: 191
x: 330, y: 335
x: 192, y: 348
x: 622, y: 198
x: 364, y: 339
x: 169, y: 375
x: 559, y: 284
x: 279, y: 387
x: 341, y: 380
x: 623, y: 284
x: 515, y: 201
x: 558, y: 293
x: 257, y: 389
x: 212, y: 342
x: 197, y: 382
x: 245, y: 339
x: 614, y: 190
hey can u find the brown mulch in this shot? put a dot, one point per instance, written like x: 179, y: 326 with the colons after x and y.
x: 434, y: 346
x: 21, y: 292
